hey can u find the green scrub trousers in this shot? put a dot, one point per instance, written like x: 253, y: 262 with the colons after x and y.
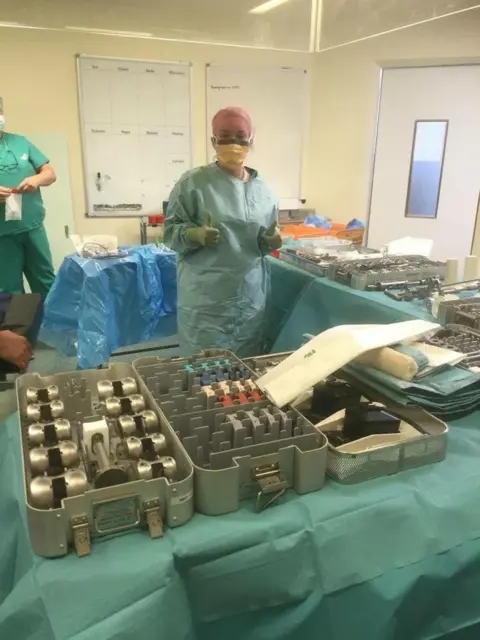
x: 26, y: 253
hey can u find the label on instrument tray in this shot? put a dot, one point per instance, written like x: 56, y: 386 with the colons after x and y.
x: 181, y: 499
x: 116, y: 515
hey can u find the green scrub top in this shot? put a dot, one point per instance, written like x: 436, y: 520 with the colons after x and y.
x: 19, y: 159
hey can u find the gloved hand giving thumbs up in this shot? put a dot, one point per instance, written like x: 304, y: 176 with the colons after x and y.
x: 272, y: 237
x: 206, y: 235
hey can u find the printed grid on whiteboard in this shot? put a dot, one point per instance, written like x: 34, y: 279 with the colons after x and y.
x: 136, y: 129
x: 276, y: 98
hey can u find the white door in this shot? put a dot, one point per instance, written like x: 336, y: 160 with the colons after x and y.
x: 426, y: 180
x: 59, y: 218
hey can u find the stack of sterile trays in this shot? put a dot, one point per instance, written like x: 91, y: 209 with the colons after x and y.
x: 464, y: 311
x: 457, y: 337
x: 240, y: 444
x: 97, y: 459
x: 314, y: 261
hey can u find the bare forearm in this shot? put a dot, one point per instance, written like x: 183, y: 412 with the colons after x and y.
x: 45, y: 176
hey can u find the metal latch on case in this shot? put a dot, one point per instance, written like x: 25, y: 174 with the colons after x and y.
x: 153, y: 516
x: 81, y: 535
x: 270, y: 481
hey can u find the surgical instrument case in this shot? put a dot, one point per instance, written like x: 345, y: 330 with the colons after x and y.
x: 457, y: 337
x: 360, y: 274
x: 463, y: 311
x: 425, y: 441
x: 318, y: 264
x: 241, y: 445
x: 110, y: 450
x: 98, y: 459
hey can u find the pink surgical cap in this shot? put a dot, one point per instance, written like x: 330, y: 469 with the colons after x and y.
x: 230, y: 118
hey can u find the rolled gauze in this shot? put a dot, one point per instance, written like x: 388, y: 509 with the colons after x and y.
x: 390, y: 361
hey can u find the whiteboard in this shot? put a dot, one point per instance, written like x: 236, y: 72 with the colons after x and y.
x: 276, y: 99
x: 136, y: 132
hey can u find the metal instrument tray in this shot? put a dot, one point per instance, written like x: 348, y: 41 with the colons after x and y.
x: 463, y: 311
x: 70, y: 502
x: 350, y: 468
x: 359, y: 274
x: 318, y: 265
x: 457, y: 337
x: 239, y: 446
x: 429, y: 447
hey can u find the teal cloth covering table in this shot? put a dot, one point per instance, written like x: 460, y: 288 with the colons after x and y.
x: 392, y: 559
x: 302, y: 303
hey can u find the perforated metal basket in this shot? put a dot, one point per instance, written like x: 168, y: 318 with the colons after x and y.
x: 429, y: 447
x: 350, y: 468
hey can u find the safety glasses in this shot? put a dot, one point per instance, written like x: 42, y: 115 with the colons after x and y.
x: 242, y: 142
x: 8, y: 160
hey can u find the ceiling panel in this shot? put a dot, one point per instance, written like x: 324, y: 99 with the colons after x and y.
x: 220, y: 21
x: 286, y: 26
x: 345, y: 21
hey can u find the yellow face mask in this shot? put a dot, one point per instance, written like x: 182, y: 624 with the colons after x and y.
x: 231, y: 155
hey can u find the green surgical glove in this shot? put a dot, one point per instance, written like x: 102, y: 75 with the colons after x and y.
x: 205, y: 235
x: 272, y: 237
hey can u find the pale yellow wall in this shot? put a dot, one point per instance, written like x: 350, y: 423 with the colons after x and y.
x: 39, y: 86
x: 344, y: 102
x: 38, y: 82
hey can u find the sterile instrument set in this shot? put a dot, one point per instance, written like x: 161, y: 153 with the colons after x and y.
x: 378, y: 272
x: 109, y: 450
x: 363, y: 268
x: 462, y: 339
x: 97, y: 459
x: 319, y: 263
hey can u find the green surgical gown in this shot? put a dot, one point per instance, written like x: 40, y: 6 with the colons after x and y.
x: 222, y: 289
x: 24, y: 247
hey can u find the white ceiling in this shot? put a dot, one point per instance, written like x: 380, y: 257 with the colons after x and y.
x: 221, y: 21
x: 229, y: 21
x: 345, y: 21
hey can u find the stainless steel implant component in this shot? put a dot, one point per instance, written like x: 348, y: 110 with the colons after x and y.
x: 128, y: 405
x: 107, y: 475
x: 118, y: 388
x: 48, y: 492
x: 45, y: 412
x: 164, y: 467
x: 145, y: 422
x: 53, y: 459
x: 52, y: 432
x: 46, y: 394
x: 148, y: 448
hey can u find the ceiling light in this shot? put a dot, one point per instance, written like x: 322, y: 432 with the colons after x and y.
x: 267, y: 6
x: 17, y: 25
x: 111, y: 32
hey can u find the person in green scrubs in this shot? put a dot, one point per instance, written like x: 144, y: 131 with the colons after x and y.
x: 24, y: 248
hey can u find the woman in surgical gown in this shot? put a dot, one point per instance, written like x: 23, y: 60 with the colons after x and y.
x: 24, y: 248
x: 222, y: 222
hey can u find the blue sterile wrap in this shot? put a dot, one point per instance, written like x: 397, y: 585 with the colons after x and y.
x: 355, y: 224
x: 318, y: 221
x: 98, y: 305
